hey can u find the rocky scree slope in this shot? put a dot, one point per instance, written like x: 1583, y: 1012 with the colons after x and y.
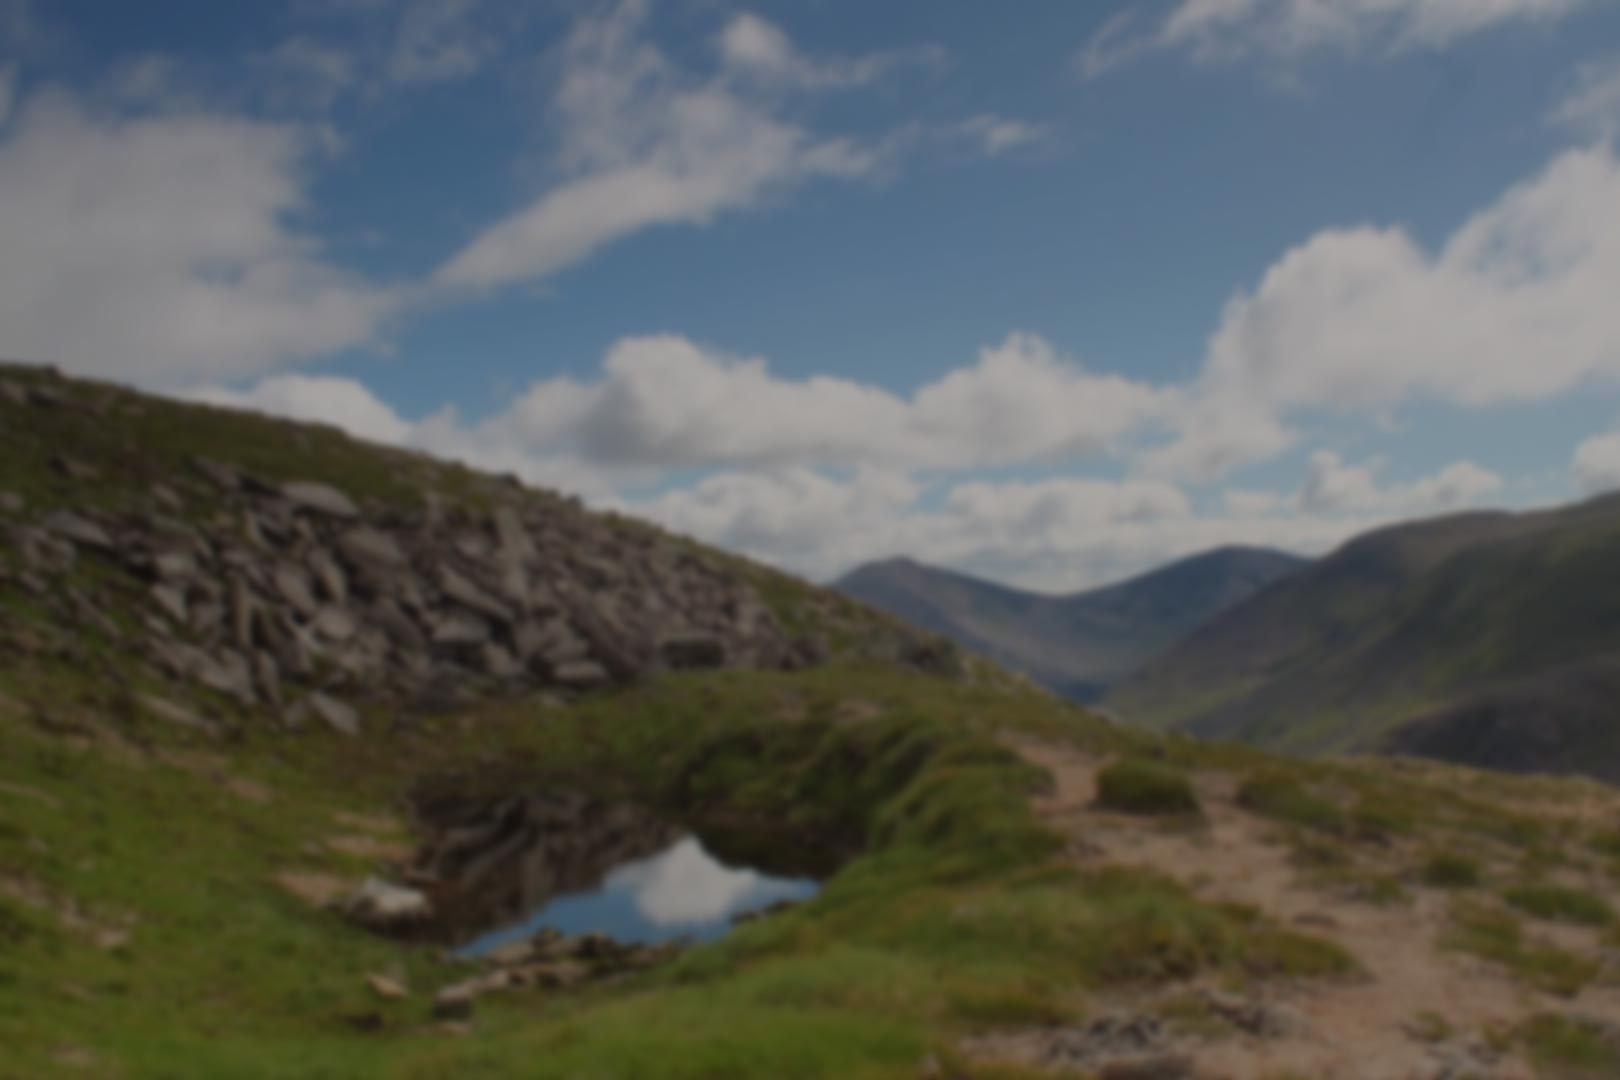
x: 1481, y: 638
x: 267, y: 566
x: 1076, y: 645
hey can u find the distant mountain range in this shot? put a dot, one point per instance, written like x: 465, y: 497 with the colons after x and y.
x: 1077, y: 645
x: 1483, y: 638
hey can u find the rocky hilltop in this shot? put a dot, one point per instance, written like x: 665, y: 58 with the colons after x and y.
x: 297, y: 595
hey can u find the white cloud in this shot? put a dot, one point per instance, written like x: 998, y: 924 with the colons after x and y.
x: 437, y: 41
x: 1516, y: 307
x: 1334, y: 486
x: 1597, y: 463
x: 756, y: 48
x: 157, y: 248
x: 996, y: 135
x: 323, y: 399
x: 685, y: 885
x: 1592, y: 107
x: 1229, y: 31
x: 644, y: 144
x: 664, y: 402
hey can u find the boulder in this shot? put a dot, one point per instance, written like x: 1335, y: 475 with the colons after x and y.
x: 166, y: 710
x: 688, y: 652
x: 293, y: 585
x: 79, y: 529
x: 334, y: 623
x: 461, y: 591
x: 173, y: 565
x: 460, y: 630
x: 370, y: 549
x: 339, y: 716
x: 579, y: 675
x: 319, y: 499
x: 382, y: 905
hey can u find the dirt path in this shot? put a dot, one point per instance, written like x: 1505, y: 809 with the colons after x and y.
x: 1367, y: 1028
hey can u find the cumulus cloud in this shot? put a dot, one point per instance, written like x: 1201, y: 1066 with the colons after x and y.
x: 1227, y: 31
x: 158, y: 248
x: 1334, y: 486
x: 666, y: 402
x: 1597, y: 463
x: 643, y: 143
x: 1513, y: 309
x: 1592, y: 107
x: 757, y: 48
x: 322, y: 399
x: 994, y: 135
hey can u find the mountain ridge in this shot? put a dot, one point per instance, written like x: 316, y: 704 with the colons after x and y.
x: 1076, y: 644
x: 1407, y: 622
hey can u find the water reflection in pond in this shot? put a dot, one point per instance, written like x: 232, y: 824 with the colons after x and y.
x: 682, y: 892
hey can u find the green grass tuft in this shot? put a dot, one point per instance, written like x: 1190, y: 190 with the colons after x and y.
x: 1283, y: 797
x: 1561, y: 904
x: 1141, y: 786
x: 1448, y: 870
x: 1565, y: 1048
x: 1498, y: 936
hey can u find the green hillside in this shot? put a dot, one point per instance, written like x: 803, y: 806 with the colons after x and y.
x: 1406, y: 622
x: 242, y: 660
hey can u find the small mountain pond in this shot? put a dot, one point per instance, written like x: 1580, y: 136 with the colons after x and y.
x: 680, y: 893
x: 500, y: 871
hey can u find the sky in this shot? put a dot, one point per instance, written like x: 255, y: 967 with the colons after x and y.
x: 1049, y: 292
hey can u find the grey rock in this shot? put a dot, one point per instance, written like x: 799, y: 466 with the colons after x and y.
x: 370, y: 548
x: 166, y: 710
x: 460, y: 630
x: 511, y: 537
x: 174, y: 565
x: 334, y: 583
x: 172, y: 600
x: 335, y: 624
x: 167, y: 498
x: 267, y: 676
x: 339, y: 716
x: 77, y: 471
x: 688, y: 652
x: 384, y: 905
x: 220, y: 475
x: 463, y: 592
x: 319, y: 499
x: 579, y: 675
x: 499, y: 663
x: 454, y: 1002
x: 293, y: 585
x: 386, y: 616
x: 79, y: 529
x: 244, y: 613
x: 11, y: 502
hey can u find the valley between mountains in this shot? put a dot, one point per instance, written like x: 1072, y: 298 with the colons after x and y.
x: 284, y: 716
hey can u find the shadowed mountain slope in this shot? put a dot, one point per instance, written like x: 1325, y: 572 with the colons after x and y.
x: 1076, y: 645
x: 1454, y: 620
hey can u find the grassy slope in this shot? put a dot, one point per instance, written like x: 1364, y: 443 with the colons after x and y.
x: 956, y: 918
x: 1392, y: 624
x: 960, y: 915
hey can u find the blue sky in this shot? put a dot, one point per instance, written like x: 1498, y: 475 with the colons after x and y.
x: 1050, y: 293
